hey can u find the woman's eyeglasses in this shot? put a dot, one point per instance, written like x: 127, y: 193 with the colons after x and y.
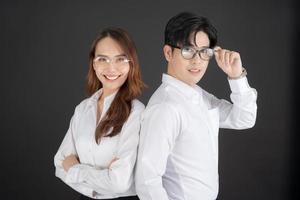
x: 103, y: 61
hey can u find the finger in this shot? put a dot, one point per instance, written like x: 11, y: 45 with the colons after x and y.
x: 68, y: 157
x: 71, y: 157
x: 112, y: 161
x: 231, y: 58
x: 234, y: 56
x: 217, y: 50
x: 218, y: 58
x: 227, y: 58
x: 222, y: 56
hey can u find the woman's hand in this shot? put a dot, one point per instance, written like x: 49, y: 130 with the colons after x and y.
x: 111, y: 162
x: 229, y: 61
x: 69, y: 161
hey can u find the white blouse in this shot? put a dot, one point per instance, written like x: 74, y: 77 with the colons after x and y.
x: 92, y: 177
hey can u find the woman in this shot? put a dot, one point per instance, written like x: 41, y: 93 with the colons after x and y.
x: 98, y: 153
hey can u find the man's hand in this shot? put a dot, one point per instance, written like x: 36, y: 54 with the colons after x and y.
x: 69, y: 161
x: 229, y: 61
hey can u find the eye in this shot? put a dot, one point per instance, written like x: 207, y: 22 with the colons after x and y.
x: 208, y: 51
x: 121, y: 59
x: 101, y: 59
x: 188, y: 52
x: 188, y: 49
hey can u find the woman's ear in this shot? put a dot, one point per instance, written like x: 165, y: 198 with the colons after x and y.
x: 168, y: 52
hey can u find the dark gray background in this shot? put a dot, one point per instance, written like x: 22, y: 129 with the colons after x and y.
x: 44, y: 55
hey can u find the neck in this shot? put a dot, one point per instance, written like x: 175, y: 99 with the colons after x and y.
x: 106, y: 92
x: 173, y: 74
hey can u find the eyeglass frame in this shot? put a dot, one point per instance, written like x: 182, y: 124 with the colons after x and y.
x: 111, y: 60
x: 198, y: 51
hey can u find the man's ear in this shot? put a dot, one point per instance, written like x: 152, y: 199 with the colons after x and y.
x: 168, y: 52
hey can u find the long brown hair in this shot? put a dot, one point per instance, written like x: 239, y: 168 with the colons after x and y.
x: 120, y: 108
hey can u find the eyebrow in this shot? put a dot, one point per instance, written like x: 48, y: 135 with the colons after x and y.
x: 201, y: 46
x: 195, y: 45
x: 101, y: 55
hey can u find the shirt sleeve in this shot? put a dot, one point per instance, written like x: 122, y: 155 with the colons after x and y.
x: 119, y: 177
x: 67, y: 148
x: 160, y: 127
x: 241, y: 113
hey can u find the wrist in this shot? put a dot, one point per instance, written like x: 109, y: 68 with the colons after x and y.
x: 243, y: 74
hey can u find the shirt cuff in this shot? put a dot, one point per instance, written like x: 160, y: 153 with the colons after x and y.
x: 60, y: 173
x: 240, y: 85
x: 73, y: 174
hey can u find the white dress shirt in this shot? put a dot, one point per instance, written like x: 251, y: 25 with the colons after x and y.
x: 92, y: 177
x: 178, y: 150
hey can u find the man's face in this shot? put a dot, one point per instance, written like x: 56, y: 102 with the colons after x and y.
x: 189, y: 71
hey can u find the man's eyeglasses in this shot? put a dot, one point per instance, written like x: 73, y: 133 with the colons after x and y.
x: 103, y: 61
x: 189, y: 52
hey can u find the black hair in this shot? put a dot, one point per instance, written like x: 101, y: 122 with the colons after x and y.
x: 180, y: 27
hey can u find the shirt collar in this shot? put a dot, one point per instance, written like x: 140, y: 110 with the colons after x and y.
x: 107, y: 100
x: 193, y: 94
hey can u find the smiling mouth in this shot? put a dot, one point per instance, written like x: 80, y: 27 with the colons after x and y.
x: 194, y: 70
x: 111, y: 77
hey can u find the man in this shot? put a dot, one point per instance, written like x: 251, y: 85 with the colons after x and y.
x: 178, y: 150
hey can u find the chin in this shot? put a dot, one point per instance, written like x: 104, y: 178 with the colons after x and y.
x: 114, y: 88
x: 195, y: 83
x: 111, y: 87
x: 195, y: 80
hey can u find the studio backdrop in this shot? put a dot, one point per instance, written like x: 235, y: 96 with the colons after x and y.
x: 44, y: 63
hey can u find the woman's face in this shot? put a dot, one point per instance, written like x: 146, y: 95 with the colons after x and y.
x: 109, y: 64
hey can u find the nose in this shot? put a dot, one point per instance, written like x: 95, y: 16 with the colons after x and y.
x: 197, y: 58
x: 111, y: 67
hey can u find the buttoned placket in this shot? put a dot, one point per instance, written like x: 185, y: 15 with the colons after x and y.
x: 106, y: 104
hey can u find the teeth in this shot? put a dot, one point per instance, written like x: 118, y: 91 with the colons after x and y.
x: 111, y: 77
x: 194, y: 70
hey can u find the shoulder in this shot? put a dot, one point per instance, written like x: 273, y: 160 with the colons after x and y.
x: 136, y: 109
x: 163, y: 110
x: 165, y: 96
x: 137, y: 105
x: 165, y: 103
x: 83, y: 105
